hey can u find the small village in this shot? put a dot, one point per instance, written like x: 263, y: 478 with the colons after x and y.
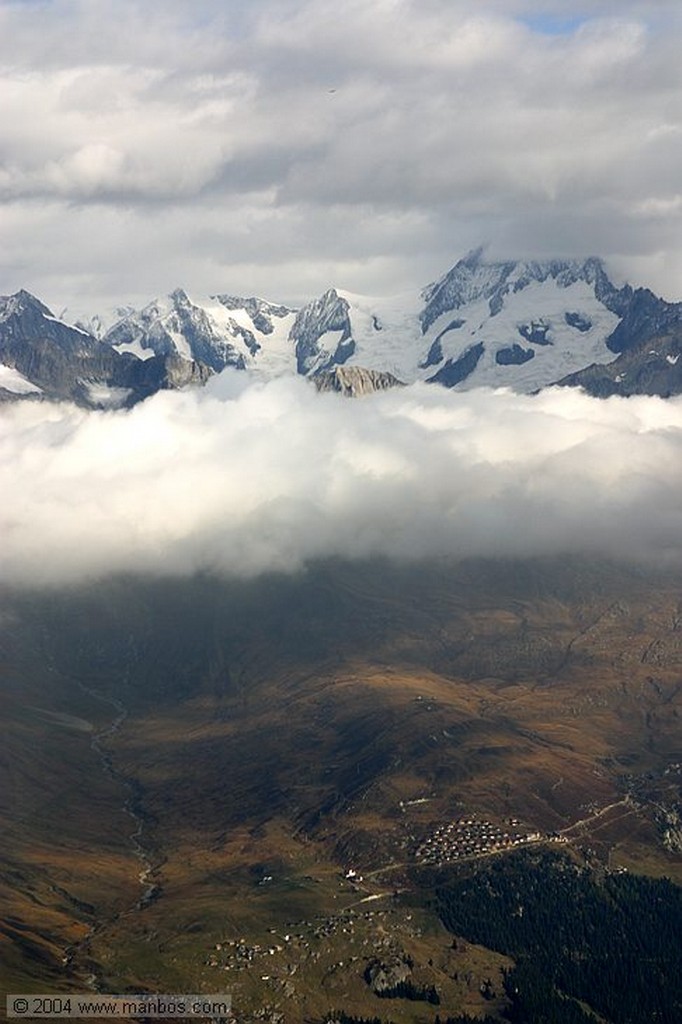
x: 472, y: 837
x: 465, y: 838
x: 286, y: 951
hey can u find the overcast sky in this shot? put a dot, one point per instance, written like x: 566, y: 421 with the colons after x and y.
x: 278, y: 147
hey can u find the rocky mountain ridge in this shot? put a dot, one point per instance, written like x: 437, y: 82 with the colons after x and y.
x: 521, y: 324
x: 41, y: 356
x: 354, y: 381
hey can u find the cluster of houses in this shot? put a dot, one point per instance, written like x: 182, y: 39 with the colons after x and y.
x: 288, y: 950
x: 343, y: 923
x: 472, y: 837
x: 238, y: 954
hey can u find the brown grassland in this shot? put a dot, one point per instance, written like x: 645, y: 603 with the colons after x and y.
x: 278, y: 732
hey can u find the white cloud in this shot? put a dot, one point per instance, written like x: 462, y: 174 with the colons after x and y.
x: 237, y: 135
x: 246, y: 477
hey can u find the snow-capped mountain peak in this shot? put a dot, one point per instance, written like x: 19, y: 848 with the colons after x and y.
x: 473, y: 278
x: 520, y: 324
x: 524, y: 324
x: 219, y: 330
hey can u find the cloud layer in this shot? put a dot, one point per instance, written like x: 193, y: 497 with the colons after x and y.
x: 243, y: 478
x: 282, y: 146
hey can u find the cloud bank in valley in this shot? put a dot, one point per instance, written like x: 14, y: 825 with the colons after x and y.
x: 244, y: 477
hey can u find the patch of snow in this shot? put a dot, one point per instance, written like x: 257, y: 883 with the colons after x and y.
x: 96, y: 324
x: 277, y: 357
x: 72, y: 327
x: 107, y: 397
x: 135, y: 348
x: 181, y: 345
x: 399, y: 347
x: 12, y: 380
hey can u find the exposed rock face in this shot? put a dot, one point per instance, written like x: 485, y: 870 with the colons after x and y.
x: 60, y: 359
x: 164, y: 373
x: 454, y: 371
x: 515, y: 354
x: 178, y: 327
x: 653, y: 367
x: 327, y: 314
x: 384, y: 975
x: 353, y: 381
x: 645, y: 317
x: 206, y: 344
x: 67, y: 363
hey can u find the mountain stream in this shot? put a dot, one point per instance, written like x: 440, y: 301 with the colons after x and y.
x: 77, y: 956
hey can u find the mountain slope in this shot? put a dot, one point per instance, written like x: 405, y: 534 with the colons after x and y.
x: 277, y: 732
x: 652, y: 367
x: 218, y: 332
x: 523, y: 325
x: 41, y: 356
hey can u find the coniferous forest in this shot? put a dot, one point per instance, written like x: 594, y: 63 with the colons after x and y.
x: 611, y: 944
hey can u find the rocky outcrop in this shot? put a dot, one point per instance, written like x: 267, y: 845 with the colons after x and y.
x: 645, y: 317
x: 167, y: 373
x: 653, y: 367
x: 456, y: 370
x: 578, y: 321
x: 537, y: 332
x: 354, y: 381
x: 385, y: 975
x: 61, y: 360
x: 328, y: 313
x: 515, y: 355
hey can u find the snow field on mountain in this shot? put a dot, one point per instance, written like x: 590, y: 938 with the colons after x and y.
x: 12, y: 380
x: 569, y: 349
x: 386, y: 333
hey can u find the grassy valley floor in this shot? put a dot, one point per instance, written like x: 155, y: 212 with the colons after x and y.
x: 210, y: 785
